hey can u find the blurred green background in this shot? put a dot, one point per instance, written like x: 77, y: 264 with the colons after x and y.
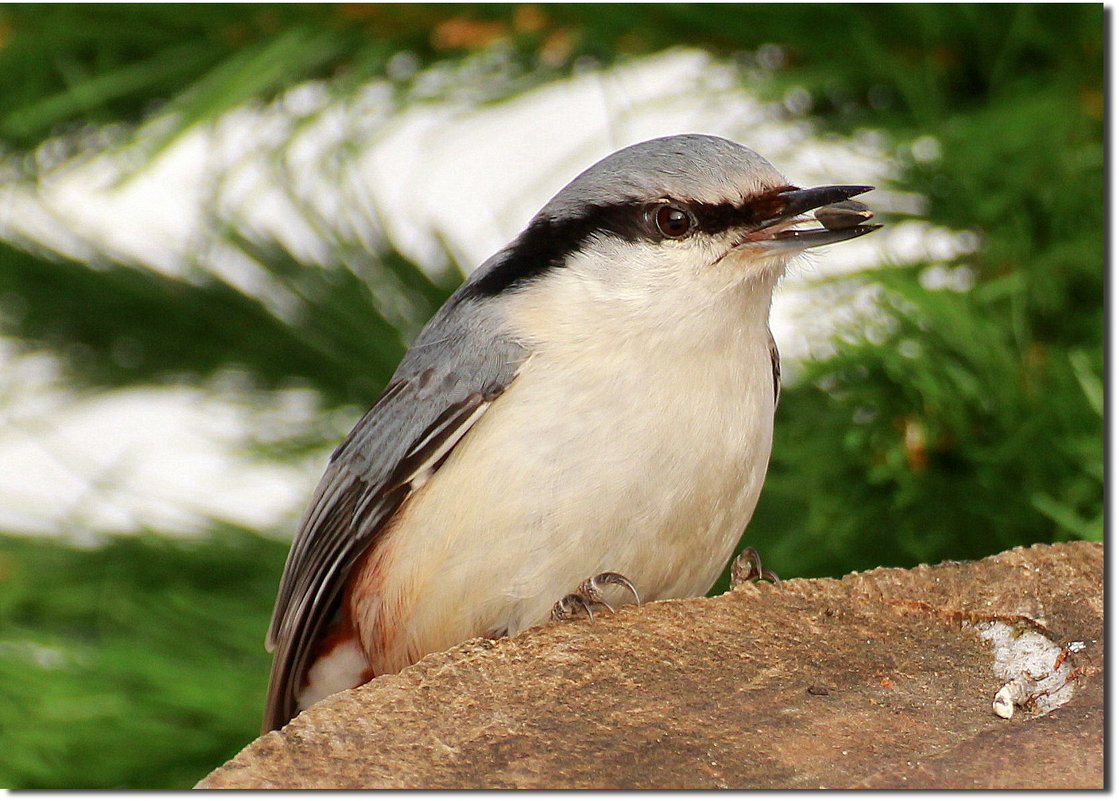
x: 969, y: 423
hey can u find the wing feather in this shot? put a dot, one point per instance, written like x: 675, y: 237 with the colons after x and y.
x: 775, y: 362
x: 443, y: 386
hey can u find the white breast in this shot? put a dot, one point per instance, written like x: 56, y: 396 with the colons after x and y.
x: 638, y: 447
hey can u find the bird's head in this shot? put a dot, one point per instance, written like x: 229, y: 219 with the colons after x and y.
x: 664, y: 223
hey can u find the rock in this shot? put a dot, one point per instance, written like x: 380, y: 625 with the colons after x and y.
x: 883, y: 679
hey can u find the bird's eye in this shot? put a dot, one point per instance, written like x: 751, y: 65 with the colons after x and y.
x: 673, y: 221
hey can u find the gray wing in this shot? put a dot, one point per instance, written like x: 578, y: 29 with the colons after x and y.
x: 775, y: 361
x: 457, y: 367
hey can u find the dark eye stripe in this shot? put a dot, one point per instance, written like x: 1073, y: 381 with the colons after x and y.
x: 715, y: 218
x: 547, y: 243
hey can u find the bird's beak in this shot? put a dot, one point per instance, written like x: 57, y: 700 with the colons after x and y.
x: 843, y: 222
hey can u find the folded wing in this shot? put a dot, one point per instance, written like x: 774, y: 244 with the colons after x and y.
x: 443, y: 386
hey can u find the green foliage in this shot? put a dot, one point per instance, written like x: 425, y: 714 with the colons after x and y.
x: 894, y: 65
x: 120, y: 325
x: 134, y: 664
x: 64, y: 63
x: 974, y: 422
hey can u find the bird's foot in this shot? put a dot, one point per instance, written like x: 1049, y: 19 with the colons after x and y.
x: 748, y: 567
x: 589, y: 595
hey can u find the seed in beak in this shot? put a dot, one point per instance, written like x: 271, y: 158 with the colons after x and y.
x: 845, y: 214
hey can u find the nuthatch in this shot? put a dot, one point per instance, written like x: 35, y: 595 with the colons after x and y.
x: 596, y: 400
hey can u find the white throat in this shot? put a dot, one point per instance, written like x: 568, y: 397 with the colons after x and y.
x: 620, y: 296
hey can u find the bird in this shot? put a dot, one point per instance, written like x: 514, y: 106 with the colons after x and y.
x: 589, y: 414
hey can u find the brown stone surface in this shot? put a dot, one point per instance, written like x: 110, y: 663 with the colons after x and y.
x: 874, y: 680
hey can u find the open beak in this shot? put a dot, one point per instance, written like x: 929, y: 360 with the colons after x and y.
x: 842, y: 218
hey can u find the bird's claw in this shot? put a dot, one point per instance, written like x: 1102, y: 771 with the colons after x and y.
x: 591, y: 589
x: 589, y: 595
x: 565, y: 607
x: 748, y: 567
